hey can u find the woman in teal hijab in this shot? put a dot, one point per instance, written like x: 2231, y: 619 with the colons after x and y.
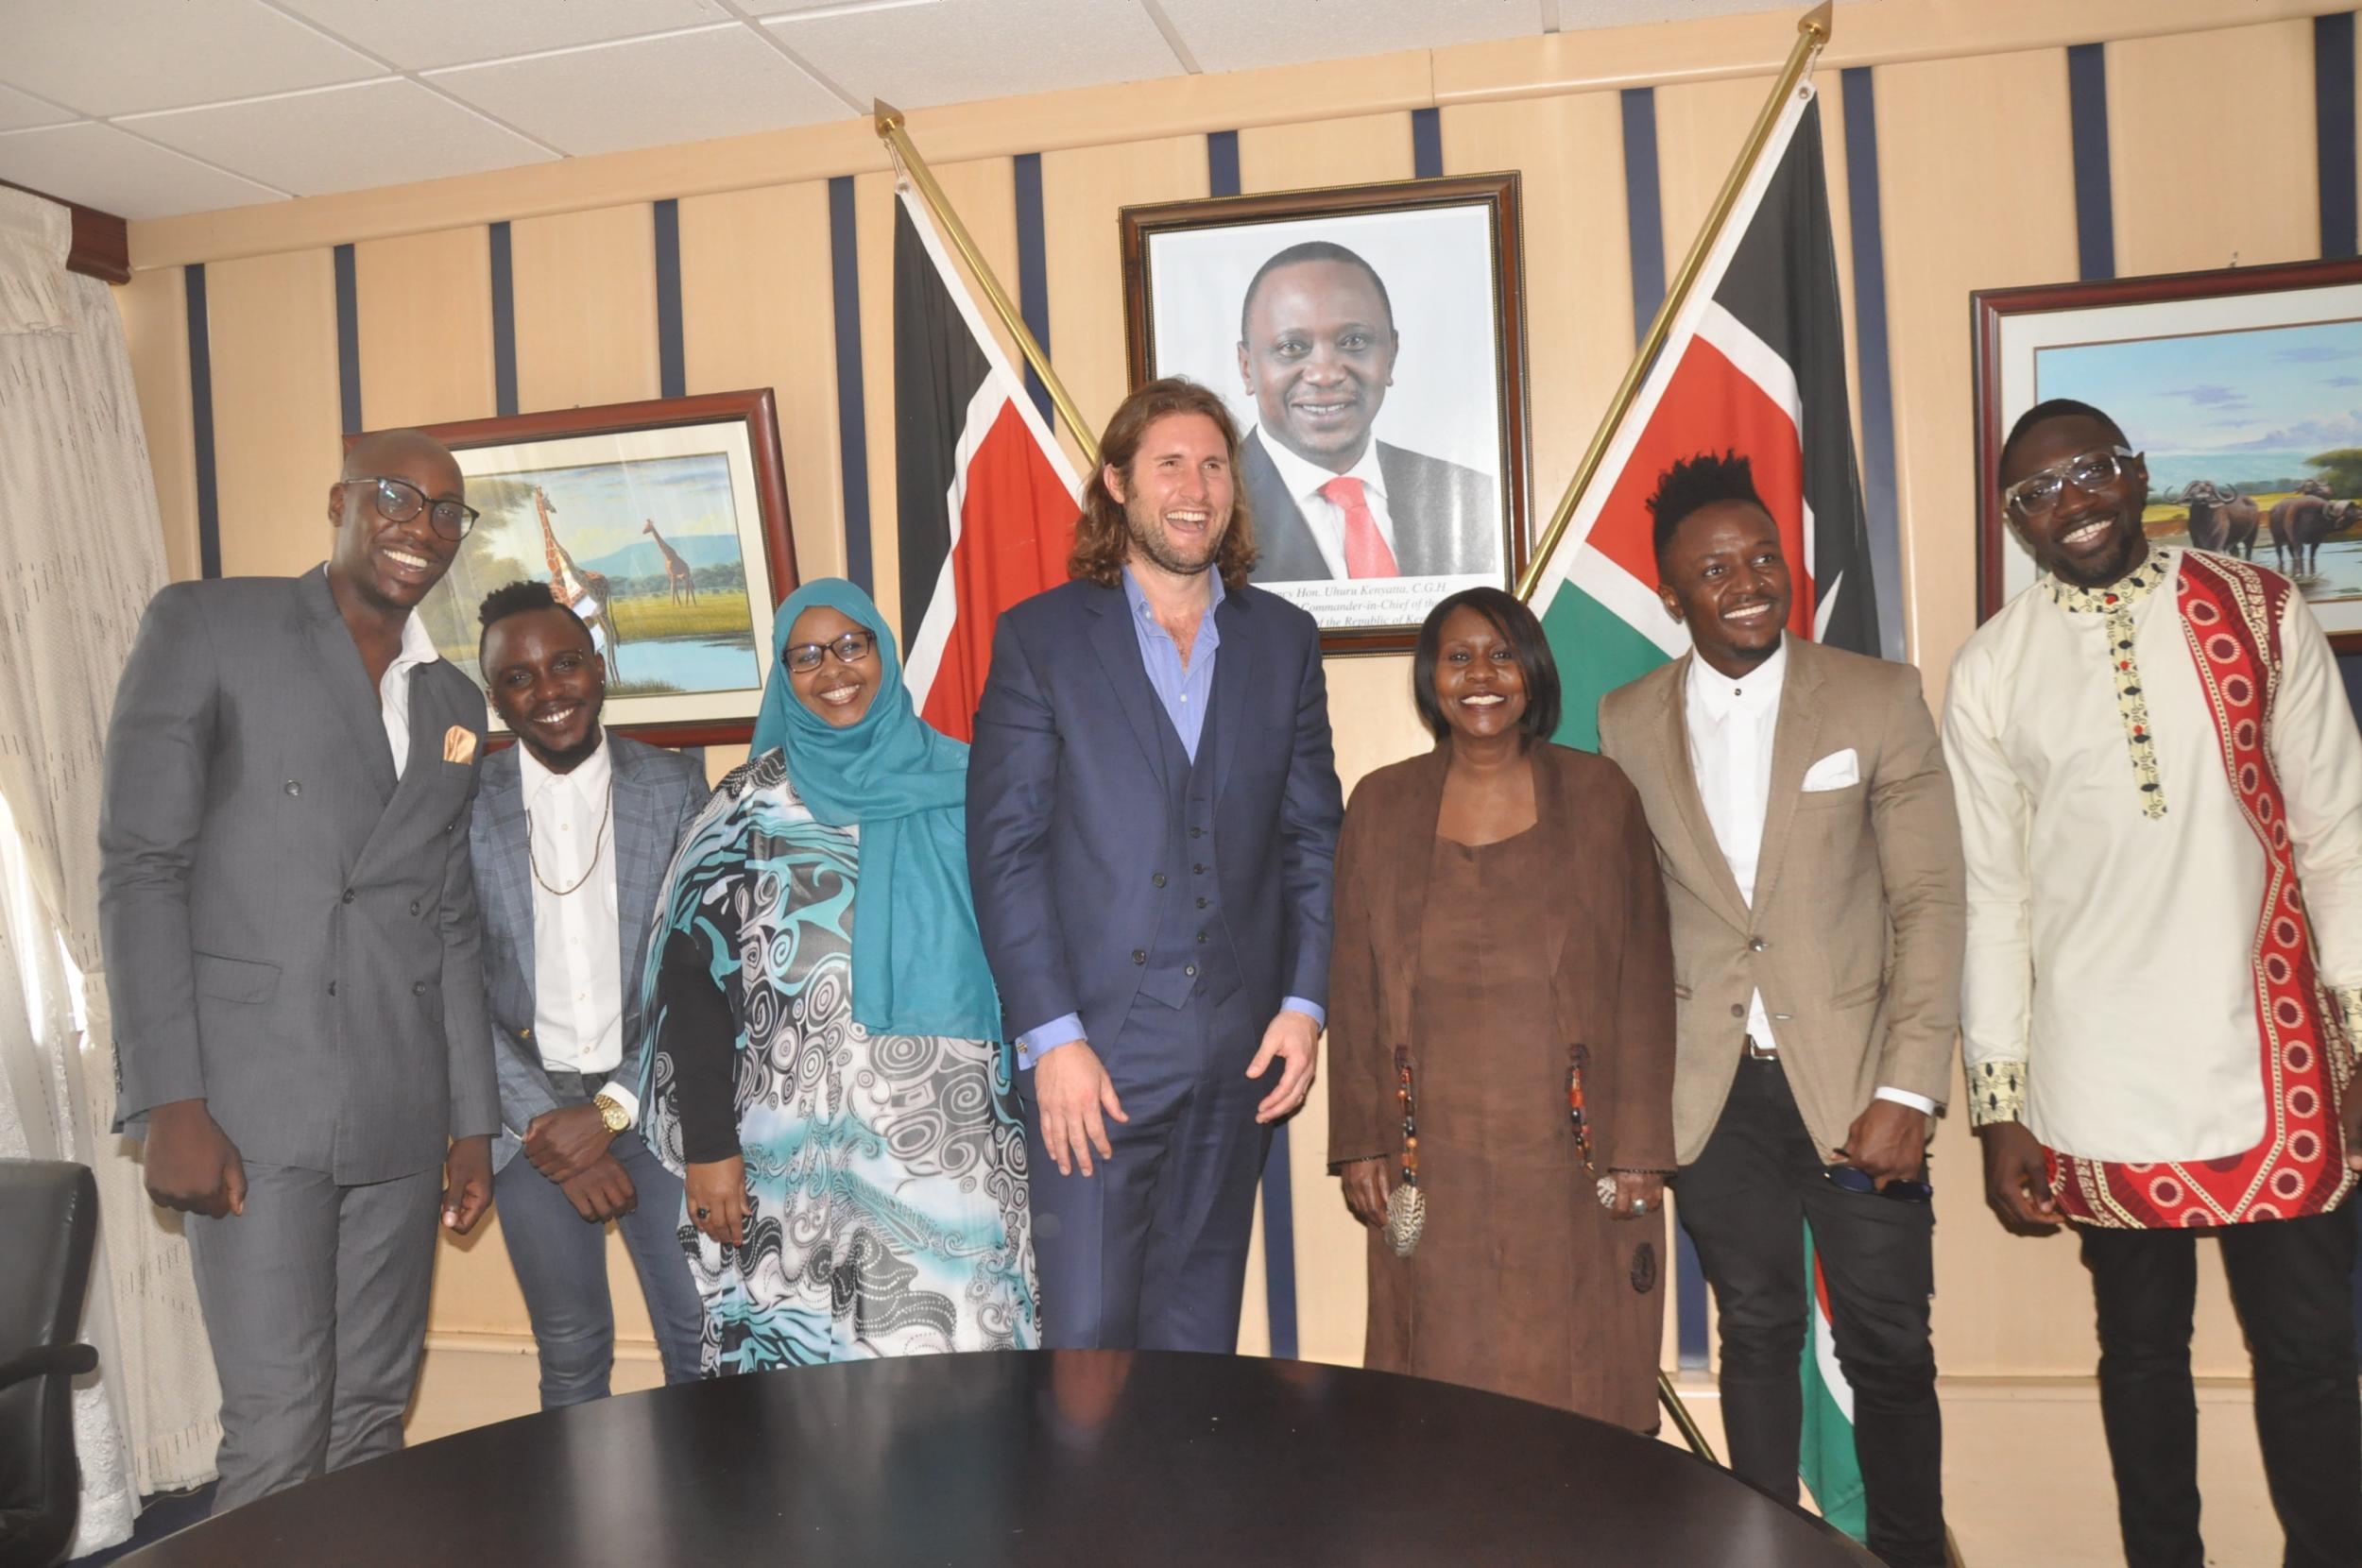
x: 823, y: 1064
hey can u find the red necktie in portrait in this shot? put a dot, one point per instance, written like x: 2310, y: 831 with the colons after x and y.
x: 1366, y: 555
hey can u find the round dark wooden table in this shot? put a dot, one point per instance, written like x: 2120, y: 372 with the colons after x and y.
x: 1093, y: 1458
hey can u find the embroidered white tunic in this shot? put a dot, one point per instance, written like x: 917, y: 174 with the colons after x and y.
x: 2109, y: 999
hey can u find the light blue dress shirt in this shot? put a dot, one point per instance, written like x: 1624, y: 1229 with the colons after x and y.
x: 1183, y: 689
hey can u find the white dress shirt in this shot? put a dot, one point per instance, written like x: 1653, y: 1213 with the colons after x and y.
x: 1325, y: 519
x: 577, y: 975
x: 393, y: 688
x: 2108, y: 981
x: 1732, y: 721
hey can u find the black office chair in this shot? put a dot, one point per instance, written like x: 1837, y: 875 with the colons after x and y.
x: 48, y: 1224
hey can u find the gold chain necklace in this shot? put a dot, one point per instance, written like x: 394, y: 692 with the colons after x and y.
x: 597, y: 844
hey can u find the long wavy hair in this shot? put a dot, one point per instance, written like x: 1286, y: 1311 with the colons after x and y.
x: 1103, y: 538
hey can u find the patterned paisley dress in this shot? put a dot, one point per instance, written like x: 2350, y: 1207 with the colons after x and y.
x: 885, y: 1175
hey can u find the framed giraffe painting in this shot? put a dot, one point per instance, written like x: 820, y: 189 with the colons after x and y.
x: 664, y: 524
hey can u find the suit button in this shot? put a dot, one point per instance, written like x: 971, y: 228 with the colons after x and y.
x: 1139, y: 955
x: 1159, y: 878
x: 1738, y: 1009
x: 349, y: 895
x: 292, y: 787
x: 414, y: 908
x: 1201, y: 903
x: 332, y: 988
x: 1758, y: 945
x: 418, y: 988
x: 1201, y: 938
x: 1200, y: 869
x: 1197, y: 832
x: 1189, y: 969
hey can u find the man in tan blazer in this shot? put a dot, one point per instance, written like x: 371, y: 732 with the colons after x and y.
x: 1805, y: 824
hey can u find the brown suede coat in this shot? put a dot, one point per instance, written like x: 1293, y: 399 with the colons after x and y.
x: 1614, y: 957
x: 1546, y: 948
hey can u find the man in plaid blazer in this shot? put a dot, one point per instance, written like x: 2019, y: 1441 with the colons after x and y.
x: 573, y: 832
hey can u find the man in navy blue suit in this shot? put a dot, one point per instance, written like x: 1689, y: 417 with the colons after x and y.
x: 1152, y: 822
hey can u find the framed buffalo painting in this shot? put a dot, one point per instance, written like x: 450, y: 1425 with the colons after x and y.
x: 2242, y: 388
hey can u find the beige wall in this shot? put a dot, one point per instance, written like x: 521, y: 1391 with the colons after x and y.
x: 1975, y: 190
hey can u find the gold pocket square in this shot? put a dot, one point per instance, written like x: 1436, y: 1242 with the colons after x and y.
x: 459, y: 745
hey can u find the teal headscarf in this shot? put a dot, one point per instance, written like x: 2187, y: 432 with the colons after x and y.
x: 919, y: 965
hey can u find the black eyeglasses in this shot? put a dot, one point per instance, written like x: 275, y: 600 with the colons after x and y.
x: 850, y: 649
x: 399, y: 500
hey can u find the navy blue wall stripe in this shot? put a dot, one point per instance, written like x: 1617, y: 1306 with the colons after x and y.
x: 672, y: 371
x: 1427, y: 143
x: 2332, y: 120
x: 1222, y: 162
x: 201, y: 422
x: 2095, y: 208
x: 349, y: 341
x: 1644, y: 208
x: 1033, y: 275
x: 2334, y: 146
x: 1280, y: 1225
x: 503, y: 326
x: 852, y: 417
x: 1644, y: 227
x: 1870, y: 350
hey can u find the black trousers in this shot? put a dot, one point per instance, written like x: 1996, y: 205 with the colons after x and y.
x: 2292, y: 1281
x: 1745, y: 1203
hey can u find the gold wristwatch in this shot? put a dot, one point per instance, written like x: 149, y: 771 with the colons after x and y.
x: 611, y: 1112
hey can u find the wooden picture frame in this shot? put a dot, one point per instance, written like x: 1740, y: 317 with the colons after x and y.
x: 682, y: 610
x: 2232, y: 383
x: 1439, y: 430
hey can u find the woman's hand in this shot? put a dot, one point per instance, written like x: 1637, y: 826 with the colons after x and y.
x: 716, y: 1196
x: 1637, y: 1193
x: 1367, y: 1185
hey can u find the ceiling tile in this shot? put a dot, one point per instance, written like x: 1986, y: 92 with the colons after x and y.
x: 1584, y: 15
x: 956, y: 51
x: 123, y: 57
x: 19, y: 110
x: 687, y: 87
x: 422, y: 34
x: 1238, y: 35
x: 101, y: 166
x: 387, y: 132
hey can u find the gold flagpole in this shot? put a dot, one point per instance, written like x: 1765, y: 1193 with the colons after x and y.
x: 888, y: 121
x: 1812, y: 32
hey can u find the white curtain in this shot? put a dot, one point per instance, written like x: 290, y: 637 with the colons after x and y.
x: 81, y: 552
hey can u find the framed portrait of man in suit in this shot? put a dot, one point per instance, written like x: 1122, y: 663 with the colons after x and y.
x: 1370, y: 341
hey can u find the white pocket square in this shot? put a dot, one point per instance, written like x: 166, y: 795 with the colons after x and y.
x: 1833, y: 771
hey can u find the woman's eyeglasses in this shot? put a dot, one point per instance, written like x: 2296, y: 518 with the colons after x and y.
x: 804, y: 657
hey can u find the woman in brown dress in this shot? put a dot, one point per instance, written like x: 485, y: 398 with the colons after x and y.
x: 1501, y: 945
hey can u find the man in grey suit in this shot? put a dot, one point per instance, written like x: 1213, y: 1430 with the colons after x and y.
x: 1317, y: 346
x: 290, y: 929
x: 571, y: 843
